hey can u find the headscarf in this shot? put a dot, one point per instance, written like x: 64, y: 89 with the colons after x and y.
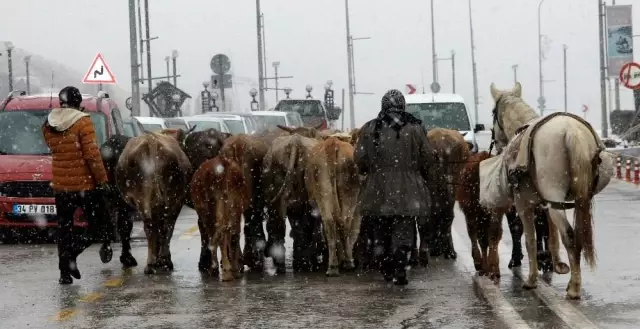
x: 393, y: 113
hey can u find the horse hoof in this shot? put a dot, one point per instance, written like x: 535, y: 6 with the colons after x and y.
x: 332, y: 272
x: 514, y: 262
x: 349, y: 265
x: 451, y: 255
x: 529, y: 286
x: 128, y: 261
x: 573, y: 295
x: 149, y: 269
x: 561, y: 268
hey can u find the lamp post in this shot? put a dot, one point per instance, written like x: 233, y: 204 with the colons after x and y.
x: 214, y: 98
x: 287, y: 91
x: 309, y: 88
x: 453, y: 68
x: 564, y: 61
x: 174, y: 56
x: 328, y: 95
x: 254, y: 104
x: 473, y: 67
x: 275, y: 74
x: 27, y: 59
x: 514, y: 67
x: 205, y: 97
x: 10, y: 47
x: 541, y: 100
x: 166, y: 59
x: 261, y: 64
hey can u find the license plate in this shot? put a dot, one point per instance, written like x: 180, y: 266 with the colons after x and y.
x: 34, y: 209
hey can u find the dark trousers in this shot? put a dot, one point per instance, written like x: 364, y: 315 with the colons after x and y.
x: 70, y: 242
x: 394, y: 237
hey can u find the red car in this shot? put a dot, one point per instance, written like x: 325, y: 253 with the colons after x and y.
x: 26, y: 197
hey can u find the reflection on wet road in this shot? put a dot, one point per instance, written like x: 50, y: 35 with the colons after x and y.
x: 445, y: 295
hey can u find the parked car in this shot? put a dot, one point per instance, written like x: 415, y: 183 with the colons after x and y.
x: 203, y: 123
x: 238, y: 124
x: 311, y: 111
x: 152, y: 124
x: 176, y: 123
x: 26, y: 197
x: 132, y: 127
x: 270, y: 119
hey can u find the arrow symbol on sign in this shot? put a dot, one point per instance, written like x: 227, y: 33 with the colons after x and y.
x: 411, y: 88
x: 96, y: 72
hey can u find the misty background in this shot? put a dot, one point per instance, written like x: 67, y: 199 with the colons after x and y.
x: 308, y: 38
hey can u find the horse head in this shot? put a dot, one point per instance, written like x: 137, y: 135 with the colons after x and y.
x: 509, y: 113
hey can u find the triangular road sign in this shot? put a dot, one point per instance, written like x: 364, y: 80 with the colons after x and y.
x: 99, y: 72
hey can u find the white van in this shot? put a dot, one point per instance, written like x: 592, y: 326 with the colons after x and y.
x: 270, y: 119
x: 444, y: 111
x: 203, y: 123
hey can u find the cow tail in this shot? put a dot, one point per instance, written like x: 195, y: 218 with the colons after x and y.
x: 287, y: 178
x: 336, y: 177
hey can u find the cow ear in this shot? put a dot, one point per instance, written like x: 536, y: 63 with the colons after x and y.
x: 287, y: 129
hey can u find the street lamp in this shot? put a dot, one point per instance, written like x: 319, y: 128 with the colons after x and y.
x: 254, y: 104
x: 27, y: 59
x: 309, y: 88
x: 174, y: 56
x: 287, y: 91
x: 541, y: 100
x: 328, y: 95
x: 167, y: 59
x: 205, y: 98
x: 9, y: 47
x: 214, y: 97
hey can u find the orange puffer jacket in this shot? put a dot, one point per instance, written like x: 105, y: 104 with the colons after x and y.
x: 77, y: 164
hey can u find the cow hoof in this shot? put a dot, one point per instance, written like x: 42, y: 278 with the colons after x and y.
x: 237, y: 274
x: 528, y: 285
x: 333, y: 271
x: 166, y: 265
x: 213, y: 271
x: 481, y: 272
x: 281, y: 269
x: 451, y: 254
x: 478, y: 267
x: 128, y: 261
x: 495, y: 276
x: 514, y: 262
x: 349, y: 265
x: 423, y: 258
x: 226, y: 276
x: 561, y: 268
x: 205, y: 261
x: 149, y: 269
x: 435, y: 252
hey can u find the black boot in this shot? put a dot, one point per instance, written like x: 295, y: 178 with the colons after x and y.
x: 401, y: 259
x: 65, y: 278
x: 106, y: 253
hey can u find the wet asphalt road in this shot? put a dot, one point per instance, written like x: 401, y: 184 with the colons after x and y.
x: 445, y: 295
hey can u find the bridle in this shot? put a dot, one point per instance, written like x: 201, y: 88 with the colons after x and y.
x: 496, y: 122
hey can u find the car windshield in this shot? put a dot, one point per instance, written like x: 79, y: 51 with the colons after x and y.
x: 21, y: 132
x: 204, y: 125
x: 235, y: 126
x: 443, y: 115
x: 294, y: 119
x: 152, y: 127
x: 128, y: 129
x: 302, y: 107
x: 270, y: 121
x: 177, y: 124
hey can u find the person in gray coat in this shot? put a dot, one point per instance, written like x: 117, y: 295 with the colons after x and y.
x: 393, y: 154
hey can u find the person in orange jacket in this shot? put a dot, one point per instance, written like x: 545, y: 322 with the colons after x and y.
x: 79, y: 181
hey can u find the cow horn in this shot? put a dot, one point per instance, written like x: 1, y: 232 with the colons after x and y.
x: 287, y: 129
x: 318, y: 126
x: 191, y: 129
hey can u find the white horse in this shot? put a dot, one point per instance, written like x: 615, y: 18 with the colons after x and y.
x: 567, y: 163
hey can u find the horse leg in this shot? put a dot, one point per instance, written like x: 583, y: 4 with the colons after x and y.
x: 515, y: 227
x: 472, y: 230
x: 554, y: 248
x: 542, y: 239
x: 125, y: 226
x: 568, y: 239
x: 525, y: 211
x: 494, y: 235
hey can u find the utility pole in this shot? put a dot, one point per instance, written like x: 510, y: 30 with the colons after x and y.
x: 515, y: 73
x: 474, y: 69
x: 564, y: 60
x: 433, y: 46
x: 277, y: 78
x: 453, y: 68
x: 275, y: 73
x: 353, y: 66
x: 617, y: 82
x: 264, y: 50
x: 133, y: 48
x: 352, y: 114
x: 9, y: 46
x: 342, y: 115
x: 541, y: 99
x: 148, y: 41
x: 27, y: 59
x: 174, y: 58
x: 261, y: 87
x: 603, y: 88
x: 167, y: 59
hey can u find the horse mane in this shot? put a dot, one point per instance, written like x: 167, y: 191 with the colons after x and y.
x: 514, y: 113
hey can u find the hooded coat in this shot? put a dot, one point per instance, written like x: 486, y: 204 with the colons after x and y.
x: 76, y: 161
x: 393, y: 154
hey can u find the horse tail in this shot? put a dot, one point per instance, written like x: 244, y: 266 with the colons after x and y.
x: 582, y: 181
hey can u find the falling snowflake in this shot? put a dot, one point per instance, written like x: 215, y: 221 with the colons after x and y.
x: 219, y: 169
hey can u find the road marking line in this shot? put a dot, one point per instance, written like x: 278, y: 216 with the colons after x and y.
x: 65, y: 315
x: 503, y: 309
x: 114, y: 283
x: 91, y: 297
x: 188, y: 234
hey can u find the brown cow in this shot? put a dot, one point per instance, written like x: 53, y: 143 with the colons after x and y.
x: 199, y: 146
x: 248, y: 152
x: 220, y: 195
x: 151, y: 174
x: 286, y: 197
x: 452, y: 151
x: 333, y: 183
x: 309, y: 132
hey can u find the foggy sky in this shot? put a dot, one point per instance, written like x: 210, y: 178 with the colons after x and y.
x: 308, y: 38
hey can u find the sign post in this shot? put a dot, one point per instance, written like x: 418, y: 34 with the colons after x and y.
x: 220, y: 65
x: 630, y: 75
x: 99, y: 73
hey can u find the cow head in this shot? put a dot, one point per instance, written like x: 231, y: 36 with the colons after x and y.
x: 203, y: 145
x: 179, y: 134
x: 355, y: 135
x: 310, y: 132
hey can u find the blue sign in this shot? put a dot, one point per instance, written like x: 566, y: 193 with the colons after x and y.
x: 619, y: 38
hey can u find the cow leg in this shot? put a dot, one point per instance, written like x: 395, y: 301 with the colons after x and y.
x: 276, y: 229
x: 236, y: 260
x: 302, y: 227
x: 204, y: 264
x: 254, y: 237
x: 167, y: 234
x: 331, y: 235
x: 151, y: 232
x: 124, y: 219
x: 515, y: 227
x: 351, y: 233
x: 494, y: 236
x: 472, y: 230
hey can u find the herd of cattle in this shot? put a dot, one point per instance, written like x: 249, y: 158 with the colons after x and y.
x: 305, y: 175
